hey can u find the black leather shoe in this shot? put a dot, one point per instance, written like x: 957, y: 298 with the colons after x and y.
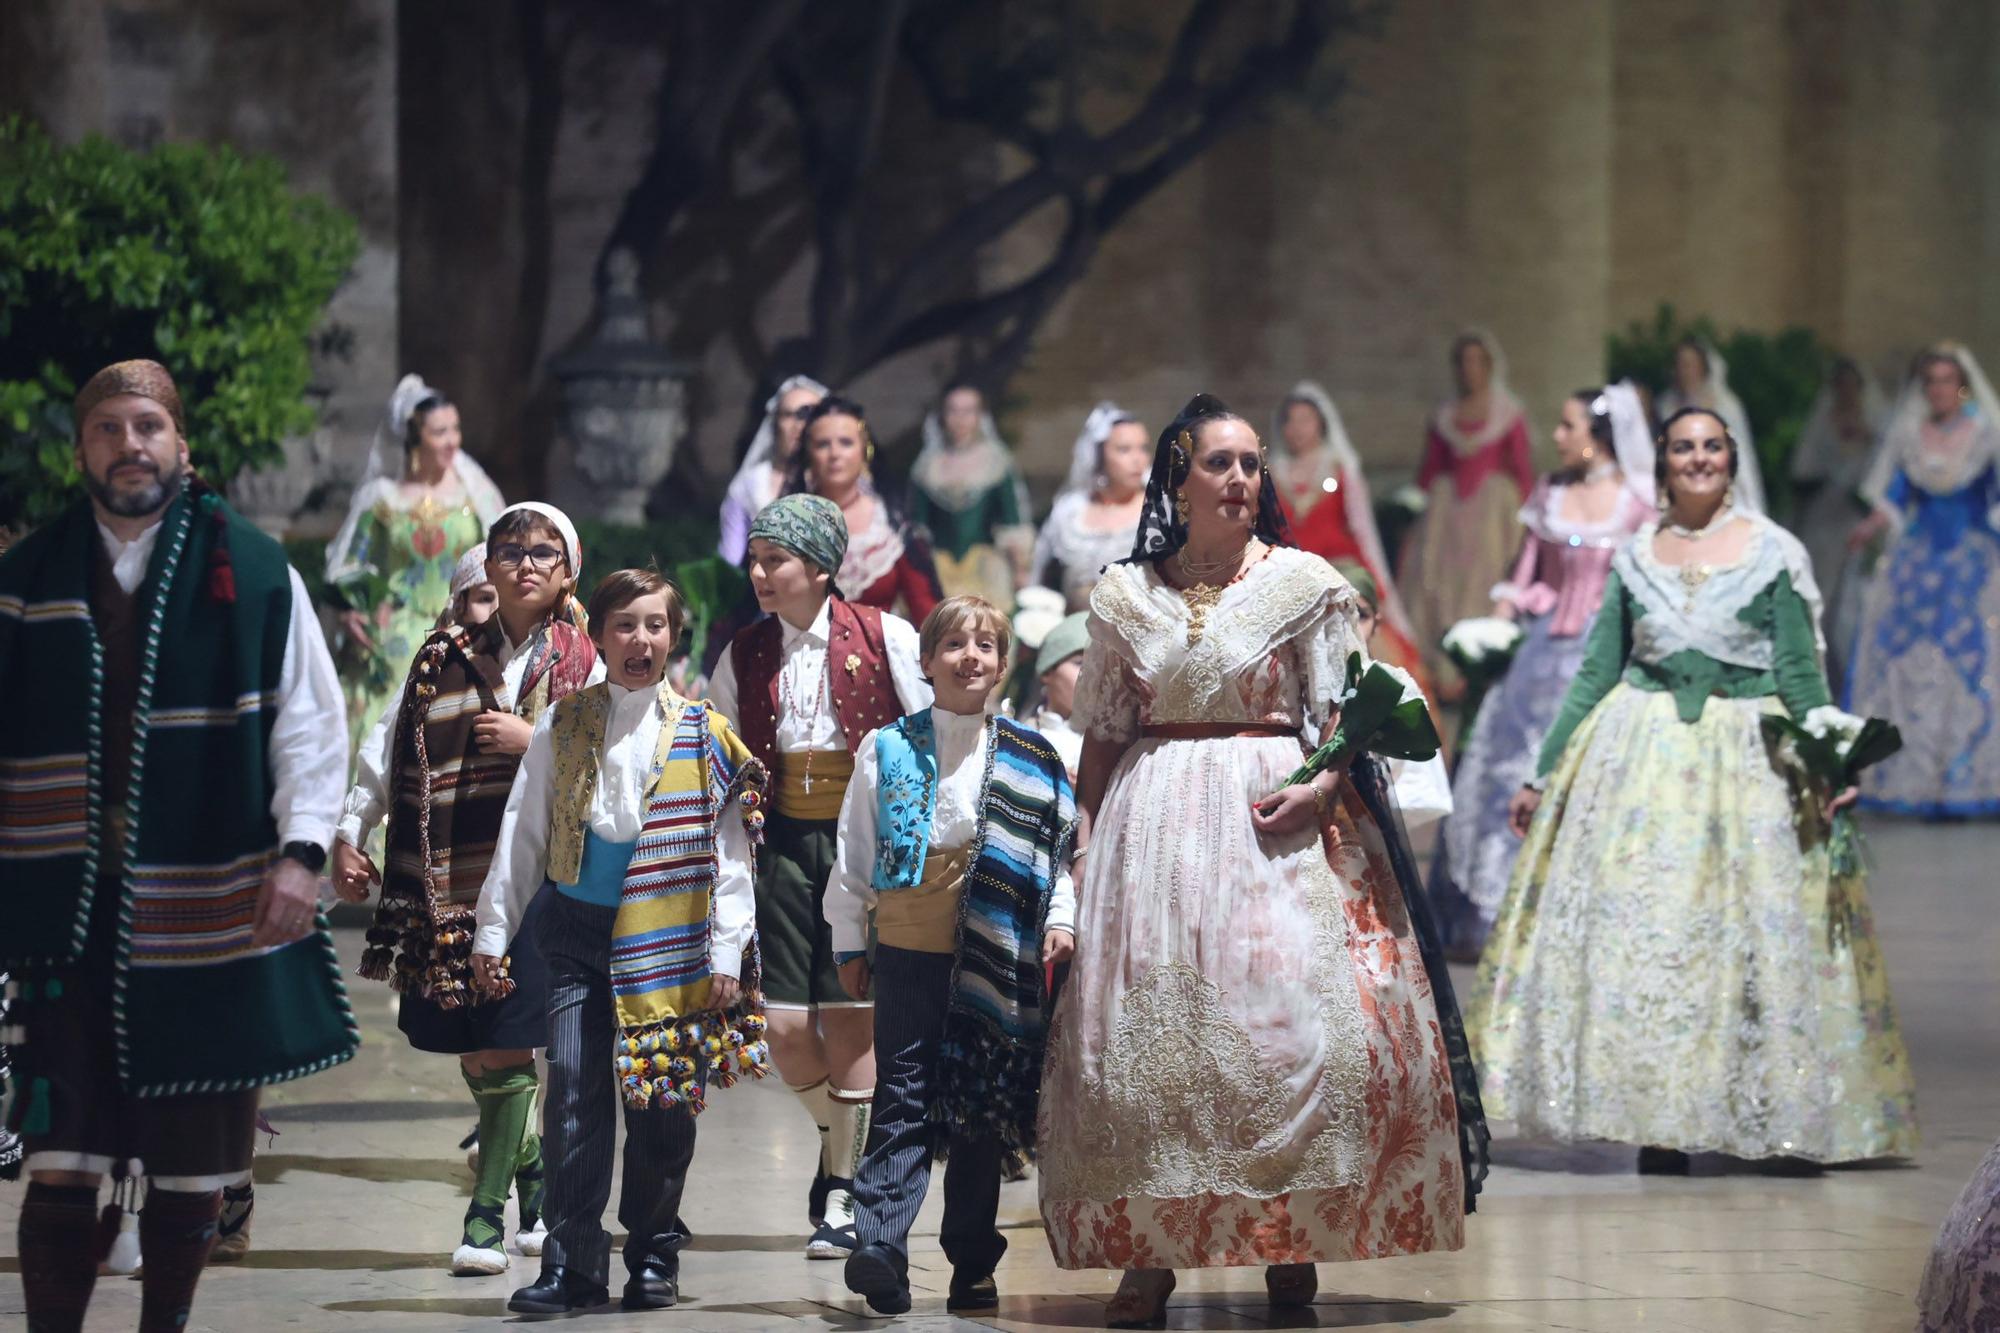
x: 881, y: 1275
x: 558, y: 1291
x: 971, y: 1293
x: 656, y: 1286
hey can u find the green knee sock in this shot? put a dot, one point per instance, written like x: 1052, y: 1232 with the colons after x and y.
x: 506, y: 1100
x: 528, y: 1180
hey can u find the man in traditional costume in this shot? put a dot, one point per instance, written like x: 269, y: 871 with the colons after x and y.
x: 168, y: 786
x: 802, y: 687
x: 642, y: 808
x: 955, y: 838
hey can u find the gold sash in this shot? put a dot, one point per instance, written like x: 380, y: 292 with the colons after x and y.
x: 924, y: 918
x: 831, y: 770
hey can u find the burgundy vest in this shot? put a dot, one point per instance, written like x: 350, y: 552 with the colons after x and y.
x: 858, y: 679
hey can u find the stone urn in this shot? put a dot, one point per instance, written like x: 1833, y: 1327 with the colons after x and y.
x: 624, y: 400
x: 271, y: 497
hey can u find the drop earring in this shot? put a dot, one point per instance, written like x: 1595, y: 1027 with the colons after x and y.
x: 1181, y: 506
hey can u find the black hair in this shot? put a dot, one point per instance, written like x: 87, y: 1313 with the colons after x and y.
x: 413, y: 431
x: 518, y: 523
x: 1700, y: 350
x: 1660, y: 445
x: 833, y: 405
x: 1161, y: 531
x: 1285, y: 410
x: 953, y: 386
x: 1597, y: 406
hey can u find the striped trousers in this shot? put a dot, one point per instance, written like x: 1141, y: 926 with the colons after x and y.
x: 912, y: 993
x: 580, y: 1129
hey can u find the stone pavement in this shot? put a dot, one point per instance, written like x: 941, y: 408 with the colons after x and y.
x: 360, y: 1197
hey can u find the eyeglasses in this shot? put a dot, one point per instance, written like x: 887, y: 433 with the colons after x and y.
x: 512, y: 555
x: 796, y: 414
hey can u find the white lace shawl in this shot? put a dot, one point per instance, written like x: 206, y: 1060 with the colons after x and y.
x: 1139, y: 651
x: 1708, y: 618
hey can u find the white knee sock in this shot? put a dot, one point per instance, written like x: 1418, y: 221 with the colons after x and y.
x: 847, y: 1129
x: 814, y: 1097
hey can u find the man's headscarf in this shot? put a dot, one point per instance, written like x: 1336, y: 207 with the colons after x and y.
x: 148, y: 379
x: 1065, y: 641
x: 1364, y: 583
x: 810, y: 526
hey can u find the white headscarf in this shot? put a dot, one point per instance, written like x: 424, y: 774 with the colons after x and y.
x: 1820, y: 447
x: 1087, y: 454
x: 558, y: 520
x: 470, y: 572
x: 1342, y: 466
x: 1722, y: 400
x: 385, y: 470
x: 1938, y: 471
x: 760, y: 463
x: 1504, y: 409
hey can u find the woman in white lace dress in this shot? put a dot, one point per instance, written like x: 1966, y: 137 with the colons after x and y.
x: 1250, y: 1064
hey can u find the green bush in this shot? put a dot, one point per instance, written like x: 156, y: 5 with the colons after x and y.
x: 193, y: 256
x: 1775, y: 374
x: 683, y: 550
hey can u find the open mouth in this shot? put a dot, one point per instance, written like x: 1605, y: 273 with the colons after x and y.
x: 639, y: 666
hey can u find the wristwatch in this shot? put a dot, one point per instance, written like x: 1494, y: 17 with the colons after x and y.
x: 308, y: 854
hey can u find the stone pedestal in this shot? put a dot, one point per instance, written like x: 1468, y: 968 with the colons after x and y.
x: 624, y: 401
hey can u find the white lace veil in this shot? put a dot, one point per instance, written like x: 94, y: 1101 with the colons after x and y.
x: 1339, y: 460
x: 1722, y: 400
x: 955, y: 479
x: 1087, y: 453
x: 1819, y: 448
x: 1631, y: 439
x: 385, y: 469
x: 764, y: 444
x: 1504, y: 409
x: 1902, y: 446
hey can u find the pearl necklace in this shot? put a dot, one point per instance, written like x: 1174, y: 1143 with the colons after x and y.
x: 1722, y: 515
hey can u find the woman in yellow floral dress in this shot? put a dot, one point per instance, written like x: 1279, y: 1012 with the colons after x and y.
x: 390, y: 566
x: 1674, y: 964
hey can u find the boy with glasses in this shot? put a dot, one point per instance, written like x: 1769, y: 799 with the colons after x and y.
x: 439, y: 765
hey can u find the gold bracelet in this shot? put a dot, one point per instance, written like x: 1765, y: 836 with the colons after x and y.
x: 1322, y: 798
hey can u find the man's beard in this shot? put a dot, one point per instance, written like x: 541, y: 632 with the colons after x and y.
x: 136, y: 504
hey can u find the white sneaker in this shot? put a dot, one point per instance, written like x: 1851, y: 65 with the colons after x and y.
x: 472, y: 1261
x: 529, y: 1243
x: 835, y: 1239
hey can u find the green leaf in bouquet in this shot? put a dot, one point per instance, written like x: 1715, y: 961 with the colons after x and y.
x: 1375, y: 719
x: 1876, y: 741
x: 1818, y: 755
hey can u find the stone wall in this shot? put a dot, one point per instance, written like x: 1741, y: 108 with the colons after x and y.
x: 1553, y: 169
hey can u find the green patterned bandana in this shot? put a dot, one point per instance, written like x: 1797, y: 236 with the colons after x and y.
x: 807, y: 525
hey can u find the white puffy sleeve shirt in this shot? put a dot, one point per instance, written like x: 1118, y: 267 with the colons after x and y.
x: 961, y: 756
x: 804, y: 659
x: 617, y: 813
x: 307, y: 750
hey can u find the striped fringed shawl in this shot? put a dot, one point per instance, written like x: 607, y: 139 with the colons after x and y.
x: 989, y: 1069
x: 661, y: 939
x: 448, y: 798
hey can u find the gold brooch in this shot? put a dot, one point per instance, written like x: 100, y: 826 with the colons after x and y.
x: 853, y: 663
